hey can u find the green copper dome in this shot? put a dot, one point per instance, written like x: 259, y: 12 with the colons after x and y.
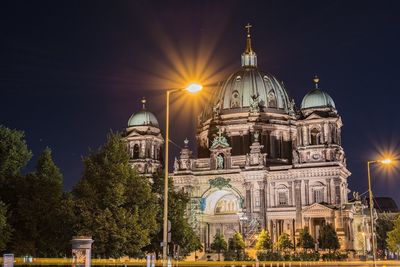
x: 317, y: 98
x: 143, y: 118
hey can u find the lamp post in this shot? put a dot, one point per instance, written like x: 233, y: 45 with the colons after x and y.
x: 191, y: 88
x: 371, y: 202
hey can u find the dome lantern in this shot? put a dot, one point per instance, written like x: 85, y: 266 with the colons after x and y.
x: 249, y: 57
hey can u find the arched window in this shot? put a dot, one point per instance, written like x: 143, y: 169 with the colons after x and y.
x: 235, y: 99
x: 315, y: 137
x: 272, y: 99
x: 135, y: 151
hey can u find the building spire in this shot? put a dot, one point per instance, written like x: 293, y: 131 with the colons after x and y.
x: 249, y: 57
x: 248, y: 39
x: 143, y: 101
x: 316, y: 81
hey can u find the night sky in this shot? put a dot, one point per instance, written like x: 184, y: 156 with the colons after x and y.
x: 70, y: 71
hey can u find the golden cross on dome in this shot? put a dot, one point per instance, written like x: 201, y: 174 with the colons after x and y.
x: 316, y: 81
x: 143, y: 101
x: 248, y: 26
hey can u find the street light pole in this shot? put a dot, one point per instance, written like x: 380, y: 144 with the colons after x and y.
x: 191, y: 88
x: 165, y: 218
x: 371, y: 209
x: 386, y: 161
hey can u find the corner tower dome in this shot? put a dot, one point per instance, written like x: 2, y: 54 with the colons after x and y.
x: 248, y: 84
x: 143, y: 117
x: 317, y: 98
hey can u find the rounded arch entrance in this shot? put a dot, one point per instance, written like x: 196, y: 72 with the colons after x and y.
x: 220, y: 201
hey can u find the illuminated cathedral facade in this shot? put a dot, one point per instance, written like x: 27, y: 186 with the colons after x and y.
x: 262, y: 162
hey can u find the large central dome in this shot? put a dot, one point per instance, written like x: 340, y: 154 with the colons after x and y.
x: 243, y: 86
x: 249, y: 87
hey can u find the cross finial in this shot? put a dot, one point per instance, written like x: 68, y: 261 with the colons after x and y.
x: 143, y: 101
x: 316, y: 81
x: 248, y: 26
x: 219, y: 132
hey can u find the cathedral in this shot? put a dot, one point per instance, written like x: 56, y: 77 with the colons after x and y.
x: 262, y: 162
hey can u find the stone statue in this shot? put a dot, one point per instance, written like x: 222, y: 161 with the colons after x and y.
x: 247, y: 159
x: 216, y: 109
x: 255, y: 103
x: 292, y: 107
x: 256, y: 136
x: 176, y: 165
x: 356, y: 196
x: 295, y: 156
x: 220, y: 161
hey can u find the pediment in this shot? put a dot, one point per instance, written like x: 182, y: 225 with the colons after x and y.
x: 314, y: 116
x: 316, y: 208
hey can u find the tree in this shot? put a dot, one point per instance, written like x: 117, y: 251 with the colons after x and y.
x: 14, y: 153
x: 306, y: 241
x: 264, y: 241
x: 383, y: 226
x: 182, y: 233
x: 113, y: 203
x: 5, y: 229
x: 284, y: 242
x: 328, y: 238
x: 219, y: 244
x: 237, y: 245
x: 393, y: 238
x: 38, y: 219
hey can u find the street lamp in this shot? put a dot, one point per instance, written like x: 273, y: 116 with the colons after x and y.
x: 386, y: 161
x: 191, y: 88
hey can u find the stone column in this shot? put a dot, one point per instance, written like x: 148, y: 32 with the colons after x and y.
x: 261, y: 185
x: 307, y: 192
x: 305, y: 135
x: 82, y: 250
x: 297, y: 197
x: 249, y: 211
x: 328, y: 190
x: 326, y: 133
x: 290, y: 193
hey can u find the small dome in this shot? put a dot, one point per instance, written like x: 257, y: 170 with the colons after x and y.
x: 143, y: 118
x: 317, y: 98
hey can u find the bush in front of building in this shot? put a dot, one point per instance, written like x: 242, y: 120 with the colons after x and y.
x: 334, y: 256
x: 266, y: 255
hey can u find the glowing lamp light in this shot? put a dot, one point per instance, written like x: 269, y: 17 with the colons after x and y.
x: 386, y: 161
x: 194, y: 87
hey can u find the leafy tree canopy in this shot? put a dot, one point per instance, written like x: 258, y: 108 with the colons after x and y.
x: 219, y: 244
x: 182, y: 234
x: 284, y: 242
x: 328, y: 238
x: 264, y: 241
x: 5, y: 228
x: 393, y: 239
x: 114, y: 204
x: 14, y: 153
x: 306, y: 241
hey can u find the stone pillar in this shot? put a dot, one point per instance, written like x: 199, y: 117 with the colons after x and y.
x: 338, y: 197
x: 328, y: 190
x: 307, y: 192
x: 82, y: 250
x: 290, y: 193
x: 305, y: 135
x: 297, y: 197
x: 261, y: 185
x: 248, y: 186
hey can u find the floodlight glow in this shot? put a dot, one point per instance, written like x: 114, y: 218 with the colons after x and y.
x: 194, y: 87
x: 386, y: 161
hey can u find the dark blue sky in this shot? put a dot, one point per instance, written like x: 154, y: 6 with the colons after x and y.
x: 71, y: 71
